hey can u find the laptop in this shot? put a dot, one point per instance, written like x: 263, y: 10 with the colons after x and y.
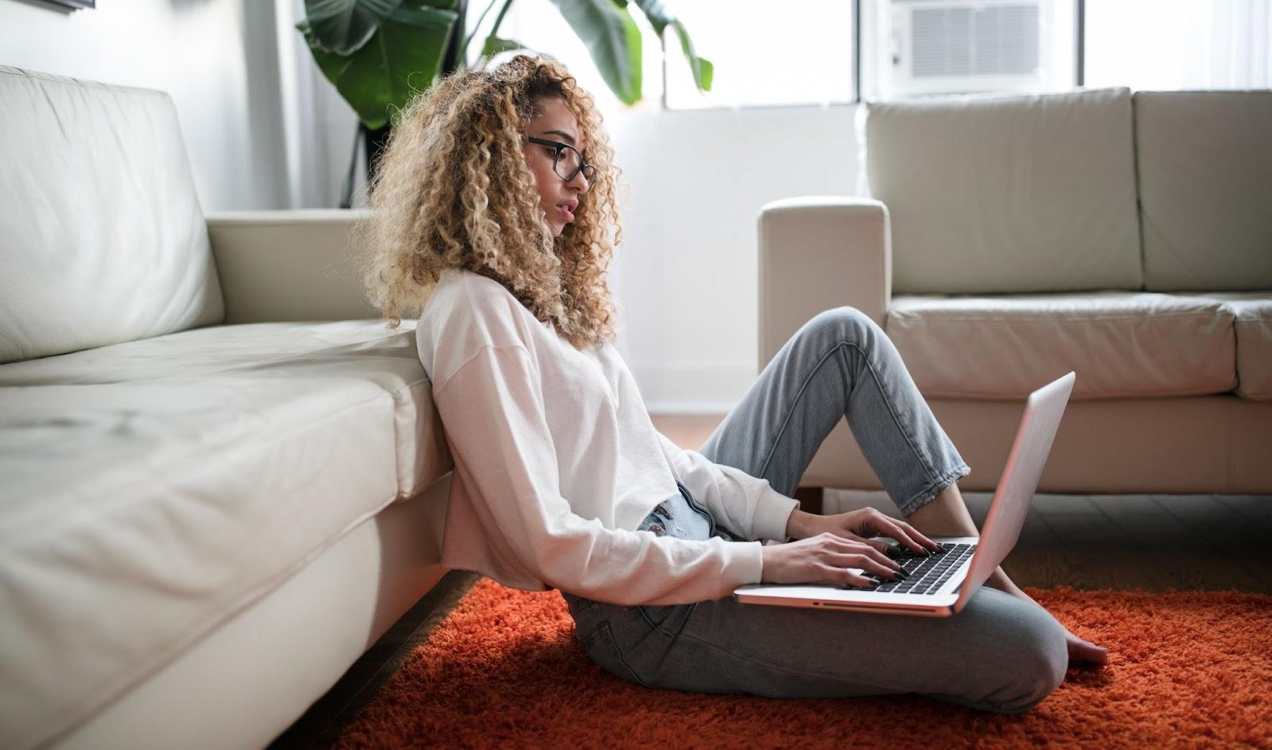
x: 941, y: 585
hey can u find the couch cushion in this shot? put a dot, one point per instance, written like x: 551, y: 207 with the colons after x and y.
x: 1120, y: 344
x: 1253, y: 313
x: 1003, y: 194
x: 101, y: 236
x: 153, y: 488
x: 1205, y: 179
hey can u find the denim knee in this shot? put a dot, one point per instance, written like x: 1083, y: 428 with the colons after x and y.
x: 843, y: 324
x: 1040, y: 655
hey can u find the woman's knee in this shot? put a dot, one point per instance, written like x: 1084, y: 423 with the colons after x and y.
x: 1036, y: 657
x: 842, y: 324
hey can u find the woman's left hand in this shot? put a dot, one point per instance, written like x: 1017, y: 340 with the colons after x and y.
x: 860, y: 525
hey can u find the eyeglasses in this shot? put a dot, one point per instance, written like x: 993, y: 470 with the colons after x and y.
x: 567, y: 161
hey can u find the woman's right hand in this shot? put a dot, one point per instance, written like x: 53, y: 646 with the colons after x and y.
x: 825, y: 559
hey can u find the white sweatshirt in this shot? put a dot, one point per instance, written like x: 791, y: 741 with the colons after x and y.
x: 557, y: 463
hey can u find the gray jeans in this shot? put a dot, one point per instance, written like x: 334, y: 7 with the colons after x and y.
x: 1000, y: 653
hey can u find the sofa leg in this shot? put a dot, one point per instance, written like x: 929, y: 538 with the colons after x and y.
x: 810, y: 499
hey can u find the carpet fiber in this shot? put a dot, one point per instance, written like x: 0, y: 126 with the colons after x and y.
x: 1185, y: 669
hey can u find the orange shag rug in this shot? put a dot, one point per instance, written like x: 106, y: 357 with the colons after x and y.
x: 504, y: 670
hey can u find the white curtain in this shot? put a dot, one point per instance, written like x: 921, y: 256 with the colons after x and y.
x: 1178, y: 44
x: 319, y: 127
x: 1238, y: 36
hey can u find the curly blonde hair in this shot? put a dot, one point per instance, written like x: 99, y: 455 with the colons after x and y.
x: 453, y: 190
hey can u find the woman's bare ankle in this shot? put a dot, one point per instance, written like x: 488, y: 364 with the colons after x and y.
x: 944, y: 515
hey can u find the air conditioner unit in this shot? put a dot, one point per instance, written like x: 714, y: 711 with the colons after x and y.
x: 965, y: 46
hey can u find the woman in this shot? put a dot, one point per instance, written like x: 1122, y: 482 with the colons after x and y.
x: 492, y: 211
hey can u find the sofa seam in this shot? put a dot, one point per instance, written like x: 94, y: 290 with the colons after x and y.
x: 1139, y: 202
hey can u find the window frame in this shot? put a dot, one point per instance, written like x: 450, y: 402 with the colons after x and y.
x: 1079, y: 37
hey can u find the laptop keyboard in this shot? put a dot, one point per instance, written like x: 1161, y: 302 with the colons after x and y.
x: 927, y: 573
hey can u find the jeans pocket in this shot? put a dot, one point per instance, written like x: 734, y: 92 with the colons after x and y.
x: 578, y: 605
x: 655, y: 614
x: 666, y: 617
x: 602, y: 649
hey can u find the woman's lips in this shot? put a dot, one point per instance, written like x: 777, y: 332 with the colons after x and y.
x: 568, y: 216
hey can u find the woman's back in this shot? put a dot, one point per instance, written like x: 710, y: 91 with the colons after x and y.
x: 557, y: 461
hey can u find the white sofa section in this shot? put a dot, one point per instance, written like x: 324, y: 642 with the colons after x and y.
x: 104, y: 241
x: 221, y: 475
x: 1006, y: 240
x: 1112, y: 339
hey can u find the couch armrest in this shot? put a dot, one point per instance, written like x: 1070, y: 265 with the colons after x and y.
x: 288, y: 265
x: 817, y: 253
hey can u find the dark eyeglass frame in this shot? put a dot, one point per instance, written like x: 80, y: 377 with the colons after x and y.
x: 589, y: 171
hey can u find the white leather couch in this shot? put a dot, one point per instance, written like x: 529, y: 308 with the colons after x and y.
x: 1009, y: 239
x: 221, y: 476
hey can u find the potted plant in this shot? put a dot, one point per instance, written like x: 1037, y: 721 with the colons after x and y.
x: 380, y: 53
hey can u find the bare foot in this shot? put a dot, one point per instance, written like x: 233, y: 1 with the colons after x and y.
x: 1081, y: 651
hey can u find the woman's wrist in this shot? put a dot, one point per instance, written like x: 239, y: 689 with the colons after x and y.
x: 801, y: 524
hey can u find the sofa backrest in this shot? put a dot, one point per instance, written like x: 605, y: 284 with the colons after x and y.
x: 101, y: 236
x: 1002, y: 194
x: 1205, y: 184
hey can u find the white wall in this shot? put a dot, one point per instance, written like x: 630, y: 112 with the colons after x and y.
x: 217, y: 58
x: 688, y: 263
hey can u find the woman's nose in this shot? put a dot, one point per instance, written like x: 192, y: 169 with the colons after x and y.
x: 579, y: 181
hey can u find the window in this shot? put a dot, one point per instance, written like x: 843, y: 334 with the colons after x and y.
x: 764, y: 53
x: 1178, y: 44
x: 922, y: 47
x: 821, y: 52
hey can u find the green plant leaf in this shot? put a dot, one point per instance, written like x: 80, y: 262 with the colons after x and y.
x: 343, y: 26
x: 660, y: 18
x: 612, y: 39
x: 703, y: 70
x: 400, y: 59
x: 494, y: 45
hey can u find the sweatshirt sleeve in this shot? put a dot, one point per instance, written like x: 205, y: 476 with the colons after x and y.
x: 747, y: 506
x: 492, y: 412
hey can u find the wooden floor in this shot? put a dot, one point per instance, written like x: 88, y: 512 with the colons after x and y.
x: 1124, y: 542
x: 1127, y: 542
